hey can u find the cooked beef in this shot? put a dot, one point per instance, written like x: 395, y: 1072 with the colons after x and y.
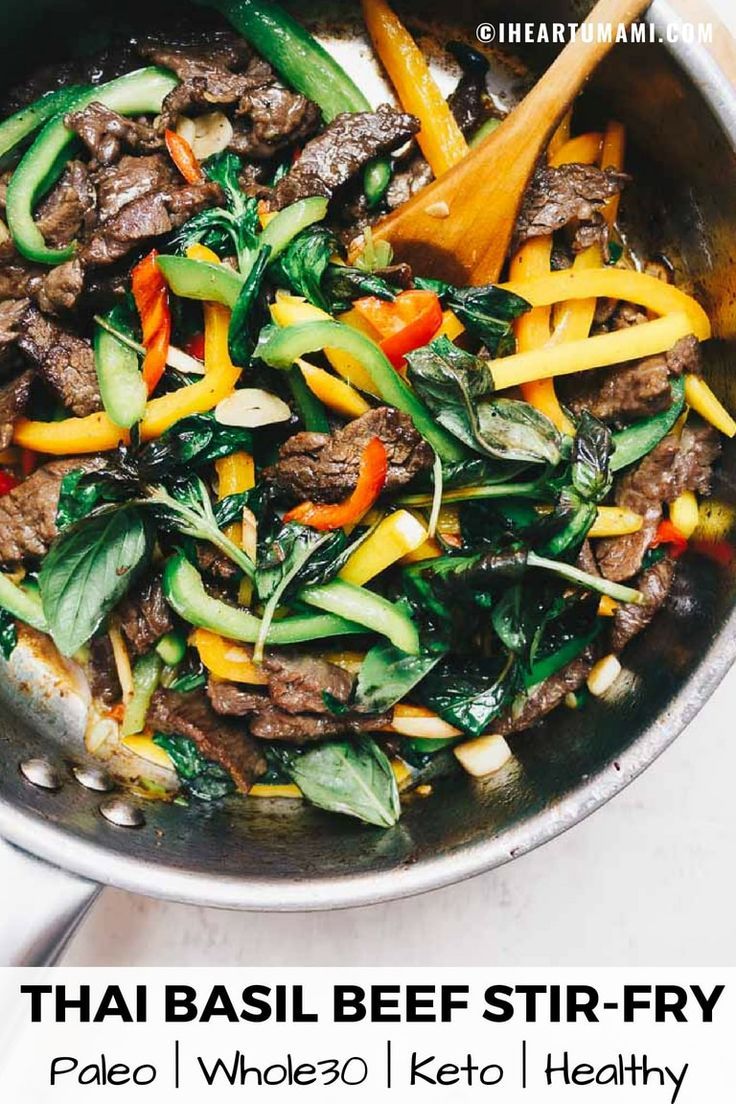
x: 215, y: 563
x: 408, y: 180
x: 630, y: 620
x: 569, y: 194
x: 102, y: 672
x: 469, y: 102
x: 69, y: 208
x: 106, y: 134
x: 145, y: 617
x: 20, y: 280
x: 151, y: 216
x: 547, y: 696
x: 586, y: 560
x: 298, y: 683
x: 629, y: 391
x: 208, y: 74
x: 14, y: 398
x: 324, y: 468
x: 346, y: 146
x: 28, y: 512
x: 675, y: 465
x: 64, y: 360
x: 271, y: 117
x: 60, y: 291
x: 191, y: 716
x: 268, y: 722
x: 11, y: 315
x: 131, y: 179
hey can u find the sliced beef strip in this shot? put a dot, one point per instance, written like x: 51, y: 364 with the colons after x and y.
x: 215, y: 563
x: 673, y: 466
x: 685, y: 357
x: 568, y: 194
x: 131, y: 179
x: 61, y: 290
x: 547, y: 696
x: 298, y: 683
x: 63, y: 359
x: 20, y: 279
x: 151, y: 216
x: 268, y: 722
x: 630, y: 620
x: 350, y: 141
x: 208, y: 74
x: 28, y: 512
x: 102, y: 672
x: 11, y: 316
x: 191, y: 716
x: 145, y: 617
x: 14, y: 398
x: 324, y: 468
x: 69, y: 208
x: 106, y: 134
x: 271, y: 116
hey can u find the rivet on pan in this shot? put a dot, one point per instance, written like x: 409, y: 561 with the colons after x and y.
x: 39, y: 772
x: 92, y: 778
x: 122, y: 813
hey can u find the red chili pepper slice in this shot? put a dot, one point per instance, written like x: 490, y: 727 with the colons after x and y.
x: 371, y: 480
x: 7, y: 482
x: 407, y: 323
x: 151, y: 295
x: 182, y: 154
x: 667, y: 533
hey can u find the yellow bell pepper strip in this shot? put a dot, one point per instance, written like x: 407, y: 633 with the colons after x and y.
x: 573, y: 322
x: 451, y: 326
x: 397, y: 535
x: 227, y: 660
x: 235, y: 474
x: 96, y: 433
x: 613, y: 283
x: 420, y: 723
x: 699, y: 396
x: 615, y: 521
x: 144, y: 748
x: 607, y: 607
x: 291, y: 310
x: 334, y: 393
x: 685, y: 513
x: 600, y: 351
x: 440, y: 138
x: 272, y: 789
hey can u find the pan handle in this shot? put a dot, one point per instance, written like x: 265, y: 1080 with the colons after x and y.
x: 47, y: 905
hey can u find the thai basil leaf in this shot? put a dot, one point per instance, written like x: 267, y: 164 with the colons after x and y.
x: 241, y: 335
x: 343, y: 285
x: 457, y: 387
x: 8, y: 634
x: 487, y: 312
x: 591, y: 457
x: 201, y: 777
x: 302, y: 265
x: 194, y: 441
x: 81, y: 493
x: 351, y: 778
x: 88, y: 570
x: 224, y: 228
x: 469, y: 693
x: 230, y: 509
x: 387, y: 675
x: 287, y: 558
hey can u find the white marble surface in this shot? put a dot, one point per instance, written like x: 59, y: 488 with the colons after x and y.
x: 648, y: 880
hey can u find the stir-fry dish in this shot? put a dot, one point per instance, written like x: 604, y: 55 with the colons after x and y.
x: 313, y: 524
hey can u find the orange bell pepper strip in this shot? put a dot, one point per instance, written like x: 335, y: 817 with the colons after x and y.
x: 407, y: 323
x: 440, y: 139
x: 97, y: 433
x: 226, y: 659
x: 182, y: 154
x: 151, y: 295
x: 371, y: 480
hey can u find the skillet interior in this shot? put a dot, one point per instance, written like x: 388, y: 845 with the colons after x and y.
x: 285, y: 855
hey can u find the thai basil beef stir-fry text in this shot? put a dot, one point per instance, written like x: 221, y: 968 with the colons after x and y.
x: 312, y: 523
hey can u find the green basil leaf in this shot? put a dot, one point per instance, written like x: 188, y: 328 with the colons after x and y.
x: 8, y: 634
x: 88, y: 570
x: 302, y: 265
x: 487, y: 312
x: 387, y: 675
x: 470, y: 693
x: 241, y: 336
x: 457, y: 387
x: 201, y: 777
x: 353, y: 778
x: 80, y: 494
x: 591, y: 458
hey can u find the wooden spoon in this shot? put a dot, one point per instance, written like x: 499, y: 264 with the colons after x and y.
x: 459, y: 227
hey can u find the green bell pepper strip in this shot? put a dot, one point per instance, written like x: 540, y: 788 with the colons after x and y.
x: 311, y: 410
x: 22, y: 604
x: 146, y: 677
x: 280, y: 348
x: 209, y: 282
x: 637, y: 440
x: 284, y: 227
x: 123, y: 392
x: 185, y: 593
x: 306, y: 66
x: 172, y: 648
x: 368, y: 609
x: 138, y: 93
x: 26, y: 121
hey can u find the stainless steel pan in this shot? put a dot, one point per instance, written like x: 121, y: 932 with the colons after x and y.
x: 679, y: 103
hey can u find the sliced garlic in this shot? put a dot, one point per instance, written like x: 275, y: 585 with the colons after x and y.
x: 439, y: 210
x: 183, y: 362
x: 483, y: 756
x: 251, y: 408
x: 603, y: 675
x: 207, y: 134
